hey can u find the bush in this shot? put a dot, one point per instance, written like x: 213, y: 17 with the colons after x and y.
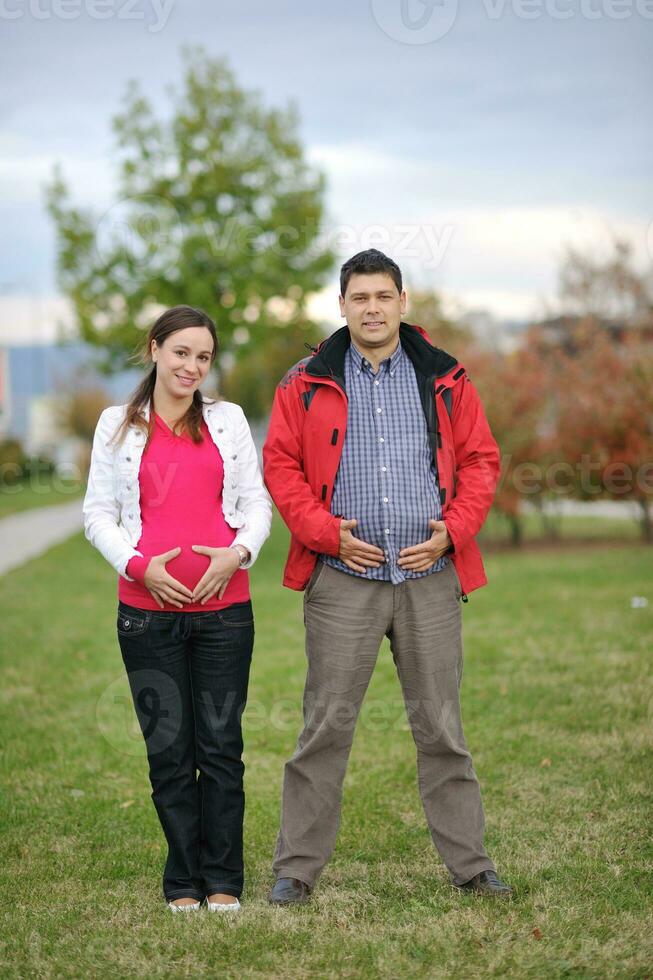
x: 12, y: 461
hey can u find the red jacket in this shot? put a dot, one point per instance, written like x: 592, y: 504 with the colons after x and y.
x: 306, y: 434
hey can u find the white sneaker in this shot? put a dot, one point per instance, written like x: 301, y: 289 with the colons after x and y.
x: 221, y: 907
x: 195, y: 907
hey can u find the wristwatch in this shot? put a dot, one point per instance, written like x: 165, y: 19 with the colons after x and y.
x: 242, y: 551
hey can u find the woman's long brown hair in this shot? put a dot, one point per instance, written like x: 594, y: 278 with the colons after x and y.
x: 172, y: 320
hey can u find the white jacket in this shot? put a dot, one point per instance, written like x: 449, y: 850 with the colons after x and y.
x: 112, y: 513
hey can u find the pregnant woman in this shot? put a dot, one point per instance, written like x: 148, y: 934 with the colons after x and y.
x: 176, y: 503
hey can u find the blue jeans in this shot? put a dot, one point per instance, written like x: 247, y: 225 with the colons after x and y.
x: 188, y: 674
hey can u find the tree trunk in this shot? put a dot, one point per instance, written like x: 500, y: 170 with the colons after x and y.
x: 550, y: 524
x: 647, y: 524
x: 516, y: 536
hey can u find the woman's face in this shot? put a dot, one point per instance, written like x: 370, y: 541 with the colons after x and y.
x: 183, y: 360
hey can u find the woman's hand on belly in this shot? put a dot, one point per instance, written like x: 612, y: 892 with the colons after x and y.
x: 224, y: 562
x: 162, y: 585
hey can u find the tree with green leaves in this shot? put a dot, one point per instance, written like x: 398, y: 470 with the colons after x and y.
x: 216, y: 207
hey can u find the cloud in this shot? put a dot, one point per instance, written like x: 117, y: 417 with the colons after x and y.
x: 498, y: 143
x: 504, y: 256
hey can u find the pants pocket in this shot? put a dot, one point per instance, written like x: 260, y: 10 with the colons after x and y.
x: 132, y: 624
x: 313, y: 581
x: 459, y: 588
x: 239, y: 615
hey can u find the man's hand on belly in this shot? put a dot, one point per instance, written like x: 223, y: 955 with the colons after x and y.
x: 420, y: 557
x: 356, y: 554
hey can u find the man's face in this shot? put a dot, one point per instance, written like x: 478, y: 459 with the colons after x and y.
x: 373, y: 307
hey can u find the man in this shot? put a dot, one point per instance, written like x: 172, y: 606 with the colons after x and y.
x: 382, y: 464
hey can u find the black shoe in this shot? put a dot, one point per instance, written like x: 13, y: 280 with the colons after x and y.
x: 487, y: 883
x: 289, y: 891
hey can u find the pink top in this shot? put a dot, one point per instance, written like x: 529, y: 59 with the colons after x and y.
x: 181, y: 505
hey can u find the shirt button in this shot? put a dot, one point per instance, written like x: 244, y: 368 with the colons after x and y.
x: 378, y: 411
x: 387, y: 530
x: 235, y: 456
x: 131, y: 516
x: 385, y: 500
x: 128, y: 458
x: 220, y: 430
x: 381, y: 439
x: 376, y: 383
x: 384, y: 469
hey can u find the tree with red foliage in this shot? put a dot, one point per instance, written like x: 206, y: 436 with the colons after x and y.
x: 514, y: 388
x: 604, y: 423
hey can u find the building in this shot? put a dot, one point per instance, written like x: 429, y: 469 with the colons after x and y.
x: 35, y: 381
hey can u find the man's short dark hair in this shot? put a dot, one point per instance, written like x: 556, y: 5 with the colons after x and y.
x: 368, y: 263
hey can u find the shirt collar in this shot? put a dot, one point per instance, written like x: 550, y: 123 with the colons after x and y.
x: 389, y: 364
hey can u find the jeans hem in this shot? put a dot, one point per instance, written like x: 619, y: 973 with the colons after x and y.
x: 232, y: 890
x: 183, y: 893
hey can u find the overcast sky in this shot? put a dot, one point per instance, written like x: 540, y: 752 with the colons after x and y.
x: 499, y: 132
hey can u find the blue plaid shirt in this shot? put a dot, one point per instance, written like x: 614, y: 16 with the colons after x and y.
x: 386, y: 478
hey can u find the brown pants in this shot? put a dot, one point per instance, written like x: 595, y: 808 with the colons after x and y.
x: 346, y: 619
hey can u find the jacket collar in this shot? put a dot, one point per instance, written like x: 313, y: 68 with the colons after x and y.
x: 328, y: 360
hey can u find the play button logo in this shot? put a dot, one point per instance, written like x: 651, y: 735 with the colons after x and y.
x: 415, y: 21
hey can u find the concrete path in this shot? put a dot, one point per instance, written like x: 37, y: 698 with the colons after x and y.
x: 626, y: 510
x: 26, y: 535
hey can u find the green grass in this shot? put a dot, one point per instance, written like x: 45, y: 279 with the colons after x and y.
x: 558, y: 709
x: 42, y: 493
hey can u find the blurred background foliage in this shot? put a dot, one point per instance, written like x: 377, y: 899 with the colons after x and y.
x: 218, y: 208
